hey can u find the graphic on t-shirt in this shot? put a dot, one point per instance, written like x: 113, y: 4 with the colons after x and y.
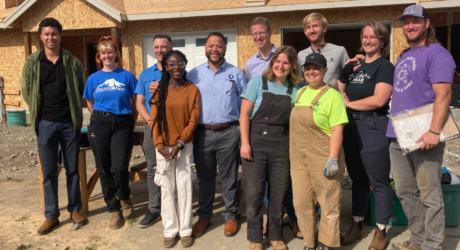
x: 359, y: 77
x: 111, y: 85
x: 402, y: 70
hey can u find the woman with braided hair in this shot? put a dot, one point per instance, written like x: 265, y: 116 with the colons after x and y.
x: 175, y: 112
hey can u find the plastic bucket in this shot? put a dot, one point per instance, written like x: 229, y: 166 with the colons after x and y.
x: 451, y: 194
x: 16, y: 117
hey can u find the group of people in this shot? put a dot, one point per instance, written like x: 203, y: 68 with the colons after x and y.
x: 295, y: 120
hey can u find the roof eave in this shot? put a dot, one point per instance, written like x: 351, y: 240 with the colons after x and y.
x: 441, y: 4
x: 9, y: 20
x: 107, y: 9
x: 265, y: 9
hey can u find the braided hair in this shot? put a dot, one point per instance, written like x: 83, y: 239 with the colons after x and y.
x: 162, y: 93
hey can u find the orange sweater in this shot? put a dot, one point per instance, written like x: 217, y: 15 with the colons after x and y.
x: 182, y: 114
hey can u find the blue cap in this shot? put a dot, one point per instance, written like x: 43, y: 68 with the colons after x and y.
x: 414, y: 10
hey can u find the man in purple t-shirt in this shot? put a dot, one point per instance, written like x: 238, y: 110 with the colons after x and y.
x: 423, y: 75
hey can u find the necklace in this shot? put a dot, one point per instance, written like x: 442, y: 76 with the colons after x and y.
x: 177, y: 92
x: 319, y: 48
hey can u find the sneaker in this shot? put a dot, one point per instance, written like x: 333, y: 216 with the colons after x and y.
x: 255, y: 246
x: 278, y: 245
x: 186, y: 241
x: 169, y: 242
x: 149, y: 220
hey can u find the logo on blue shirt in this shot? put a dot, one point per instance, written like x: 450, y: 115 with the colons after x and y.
x: 230, y: 76
x: 111, y: 85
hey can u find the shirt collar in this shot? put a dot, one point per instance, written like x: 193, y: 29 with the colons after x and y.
x: 274, y: 48
x: 154, y: 67
x: 224, y: 65
x: 42, y: 56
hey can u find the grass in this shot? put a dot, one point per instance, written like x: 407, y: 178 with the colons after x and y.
x: 23, y: 218
x: 131, y: 221
x: 90, y: 248
x: 23, y: 247
x: 95, y: 238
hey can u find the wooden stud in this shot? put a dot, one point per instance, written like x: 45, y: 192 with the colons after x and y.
x: 92, y: 182
x: 83, y: 183
x: 27, y: 44
x: 114, y: 33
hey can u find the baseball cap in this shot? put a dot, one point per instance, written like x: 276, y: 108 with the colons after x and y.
x: 317, y: 59
x: 414, y: 10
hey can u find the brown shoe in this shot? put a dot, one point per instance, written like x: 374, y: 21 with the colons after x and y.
x: 231, y: 227
x: 255, y: 246
x: 76, y: 217
x: 265, y: 231
x: 352, y: 235
x: 278, y: 245
x: 406, y: 245
x: 127, y: 208
x: 116, y: 221
x: 296, y: 230
x: 200, y: 228
x: 169, y: 242
x: 186, y: 241
x: 379, y: 242
x: 48, y: 226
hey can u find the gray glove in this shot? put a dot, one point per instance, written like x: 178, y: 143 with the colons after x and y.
x: 331, y: 167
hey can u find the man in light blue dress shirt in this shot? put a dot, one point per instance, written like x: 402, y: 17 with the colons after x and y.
x: 216, y: 143
x: 255, y: 66
x: 161, y: 45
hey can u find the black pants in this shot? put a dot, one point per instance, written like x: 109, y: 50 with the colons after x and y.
x: 271, y: 165
x: 111, y: 139
x: 367, y: 158
x: 217, y: 149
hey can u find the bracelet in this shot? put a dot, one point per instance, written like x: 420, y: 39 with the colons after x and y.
x: 181, y: 144
x: 431, y: 131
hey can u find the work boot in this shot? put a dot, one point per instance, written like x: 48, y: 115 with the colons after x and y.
x: 231, y: 227
x: 48, y: 226
x: 278, y: 245
x: 296, y: 230
x: 186, y: 241
x: 127, y: 208
x: 200, y: 228
x: 116, y: 221
x: 255, y: 246
x: 379, y: 242
x: 76, y: 217
x: 406, y: 245
x: 352, y: 235
x: 265, y: 231
x: 169, y: 242
x: 321, y: 246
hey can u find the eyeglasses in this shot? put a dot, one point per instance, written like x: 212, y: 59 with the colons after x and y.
x: 261, y: 34
x: 372, y: 38
x: 179, y: 64
x: 233, y: 83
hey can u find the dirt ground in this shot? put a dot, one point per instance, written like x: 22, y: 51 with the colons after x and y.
x: 21, y: 211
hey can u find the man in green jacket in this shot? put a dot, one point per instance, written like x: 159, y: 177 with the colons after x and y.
x: 52, y: 85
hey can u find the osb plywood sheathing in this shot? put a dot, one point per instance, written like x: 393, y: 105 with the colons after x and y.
x: 132, y: 50
x: 162, y: 6
x: 289, y: 2
x: 118, y: 5
x: 11, y: 62
x: 73, y: 14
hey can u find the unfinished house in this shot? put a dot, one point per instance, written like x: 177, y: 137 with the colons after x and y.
x: 135, y: 22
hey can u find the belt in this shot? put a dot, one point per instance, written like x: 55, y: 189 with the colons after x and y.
x: 97, y: 112
x: 269, y: 129
x: 364, y: 116
x: 217, y: 126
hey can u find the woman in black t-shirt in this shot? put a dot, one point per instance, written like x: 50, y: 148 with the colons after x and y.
x: 366, y: 90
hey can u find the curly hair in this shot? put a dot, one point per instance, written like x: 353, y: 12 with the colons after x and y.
x: 162, y: 92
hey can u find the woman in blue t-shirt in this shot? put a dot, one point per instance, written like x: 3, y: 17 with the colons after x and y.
x: 111, y: 101
x: 264, y: 125
x: 366, y: 90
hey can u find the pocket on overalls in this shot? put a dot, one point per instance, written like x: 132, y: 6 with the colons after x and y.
x: 160, y: 176
x: 192, y: 172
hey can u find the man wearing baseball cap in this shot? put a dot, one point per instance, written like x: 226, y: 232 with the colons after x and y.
x: 317, y: 159
x: 423, y: 75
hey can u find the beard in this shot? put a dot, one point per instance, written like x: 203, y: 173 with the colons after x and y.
x: 421, y: 35
x: 319, y: 38
x: 221, y: 57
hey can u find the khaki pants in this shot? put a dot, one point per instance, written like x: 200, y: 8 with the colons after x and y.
x: 310, y: 187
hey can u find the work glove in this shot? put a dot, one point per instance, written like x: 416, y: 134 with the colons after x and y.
x: 346, y: 72
x: 331, y: 167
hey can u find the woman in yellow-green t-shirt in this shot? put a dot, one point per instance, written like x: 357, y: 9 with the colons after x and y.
x: 317, y: 159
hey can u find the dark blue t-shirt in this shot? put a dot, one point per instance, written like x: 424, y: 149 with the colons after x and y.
x: 111, y: 91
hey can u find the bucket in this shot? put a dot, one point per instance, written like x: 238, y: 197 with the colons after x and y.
x: 16, y: 117
x: 451, y: 195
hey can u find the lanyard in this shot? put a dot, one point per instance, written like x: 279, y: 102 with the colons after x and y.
x: 319, y: 48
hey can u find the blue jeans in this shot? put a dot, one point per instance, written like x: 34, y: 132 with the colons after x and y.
x: 49, y: 136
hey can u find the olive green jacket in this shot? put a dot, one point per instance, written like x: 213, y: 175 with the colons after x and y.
x: 30, y: 87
